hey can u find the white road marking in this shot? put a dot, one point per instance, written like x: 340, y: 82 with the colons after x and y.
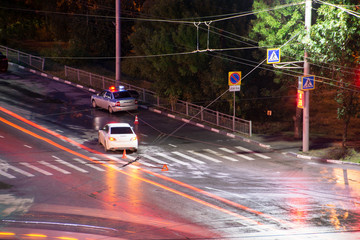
x: 249, y: 151
x: 71, y: 165
x: 2, y: 136
x: 116, y: 159
x: 188, y: 157
x: 220, y: 155
x: 89, y: 164
x: 27, y: 146
x: 36, y: 168
x: 153, y: 159
x: 204, y: 156
x: 172, y: 159
x: 54, y: 167
x: 172, y: 145
x: 5, y: 174
x: 142, y: 162
x: 21, y: 171
x: 235, y: 153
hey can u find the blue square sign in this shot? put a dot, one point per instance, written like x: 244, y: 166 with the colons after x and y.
x: 307, y: 83
x: 273, y: 56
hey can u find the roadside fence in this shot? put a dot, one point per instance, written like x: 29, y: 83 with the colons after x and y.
x: 190, y: 110
x: 25, y: 58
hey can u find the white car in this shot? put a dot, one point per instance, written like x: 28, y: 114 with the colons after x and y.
x: 118, y: 136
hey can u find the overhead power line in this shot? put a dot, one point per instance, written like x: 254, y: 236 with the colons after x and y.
x: 341, y: 7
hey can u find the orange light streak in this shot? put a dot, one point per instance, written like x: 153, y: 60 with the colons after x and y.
x: 35, y: 235
x: 7, y: 234
x: 132, y: 175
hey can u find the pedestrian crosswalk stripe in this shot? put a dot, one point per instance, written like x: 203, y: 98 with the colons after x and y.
x: 54, y: 167
x: 36, y: 168
x: 5, y: 174
x: 89, y: 164
x: 188, y: 157
x: 21, y: 171
x: 172, y: 159
x: 153, y: 159
x: 71, y: 165
x: 142, y: 162
x: 233, y: 152
x: 204, y: 156
x: 249, y: 151
x: 221, y: 155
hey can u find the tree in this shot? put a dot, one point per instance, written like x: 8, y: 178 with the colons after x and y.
x: 334, y: 41
x: 191, y: 76
x: 276, y: 23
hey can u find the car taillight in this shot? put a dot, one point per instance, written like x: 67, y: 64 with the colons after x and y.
x: 112, y: 139
x: 133, y: 139
x: 136, y: 101
x: 117, y: 104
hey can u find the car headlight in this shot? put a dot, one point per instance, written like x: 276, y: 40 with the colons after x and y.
x: 112, y: 139
x: 133, y: 138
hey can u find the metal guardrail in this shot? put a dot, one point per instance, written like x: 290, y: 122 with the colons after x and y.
x: 190, y: 110
x: 21, y: 57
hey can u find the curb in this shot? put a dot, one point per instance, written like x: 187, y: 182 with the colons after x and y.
x: 321, y: 159
x: 231, y: 135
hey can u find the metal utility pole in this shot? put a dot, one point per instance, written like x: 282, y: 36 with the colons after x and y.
x: 306, y: 111
x: 118, y: 44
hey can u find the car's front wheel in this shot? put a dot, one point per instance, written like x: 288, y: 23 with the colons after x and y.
x: 110, y: 110
x: 106, y: 146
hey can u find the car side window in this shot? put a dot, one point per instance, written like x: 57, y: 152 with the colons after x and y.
x: 108, y: 95
x: 106, y: 128
x: 102, y: 94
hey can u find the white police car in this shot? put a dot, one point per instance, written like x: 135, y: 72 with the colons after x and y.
x: 118, y: 136
x: 114, y: 100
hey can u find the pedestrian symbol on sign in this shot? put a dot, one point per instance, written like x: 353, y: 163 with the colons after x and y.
x: 308, y: 84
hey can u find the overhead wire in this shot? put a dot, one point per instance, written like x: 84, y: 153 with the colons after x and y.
x: 231, y: 16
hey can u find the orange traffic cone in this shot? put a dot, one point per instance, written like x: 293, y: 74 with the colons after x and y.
x: 124, y: 154
x: 136, y: 120
x: 165, y: 168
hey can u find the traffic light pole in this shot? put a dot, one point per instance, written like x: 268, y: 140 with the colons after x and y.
x: 306, y: 109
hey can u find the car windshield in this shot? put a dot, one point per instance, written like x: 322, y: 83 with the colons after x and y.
x: 123, y: 94
x: 121, y: 130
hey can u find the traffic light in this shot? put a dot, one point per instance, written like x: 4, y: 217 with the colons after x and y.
x: 300, y: 99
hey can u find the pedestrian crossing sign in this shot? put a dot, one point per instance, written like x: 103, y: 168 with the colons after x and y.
x: 307, y: 82
x: 273, y: 56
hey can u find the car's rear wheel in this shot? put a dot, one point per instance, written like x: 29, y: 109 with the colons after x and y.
x: 110, y: 110
x: 94, y: 104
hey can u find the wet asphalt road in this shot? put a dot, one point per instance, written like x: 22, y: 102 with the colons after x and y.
x: 215, y: 187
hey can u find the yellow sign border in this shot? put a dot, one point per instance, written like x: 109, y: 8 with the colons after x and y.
x: 230, y: 83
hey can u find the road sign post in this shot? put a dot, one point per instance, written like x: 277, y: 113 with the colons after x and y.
x: 234, y: 80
